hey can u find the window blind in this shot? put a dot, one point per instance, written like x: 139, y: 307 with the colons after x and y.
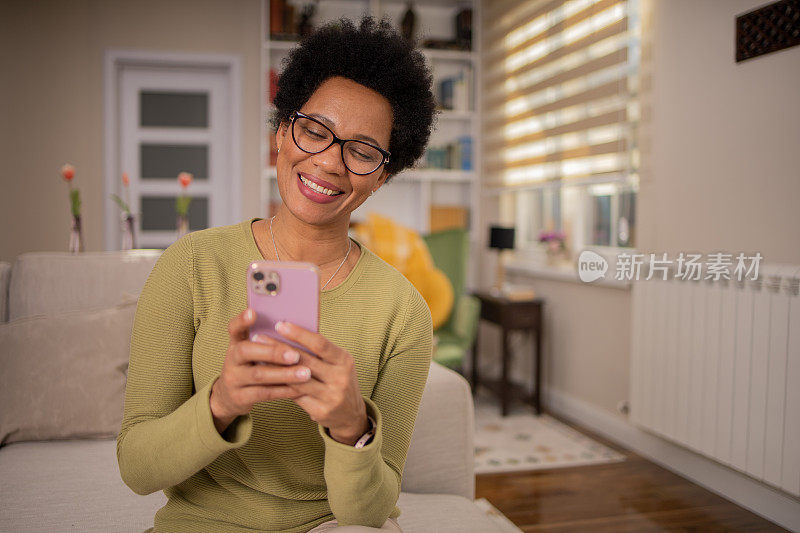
x: 559, y: 90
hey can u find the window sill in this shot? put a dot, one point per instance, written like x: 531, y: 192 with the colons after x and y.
x: 538, y: 268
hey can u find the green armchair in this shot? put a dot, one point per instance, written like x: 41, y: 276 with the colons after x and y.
x: 450, y: 252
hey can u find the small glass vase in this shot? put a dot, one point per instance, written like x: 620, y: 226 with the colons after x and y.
x: 76, y: 235
x: 183, y: 225
x: 128, y: 236
x: 557, y: 256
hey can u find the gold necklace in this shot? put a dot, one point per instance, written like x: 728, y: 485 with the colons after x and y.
x: 349, y: 245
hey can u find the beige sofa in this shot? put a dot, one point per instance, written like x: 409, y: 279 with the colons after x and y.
x: 75, y: 484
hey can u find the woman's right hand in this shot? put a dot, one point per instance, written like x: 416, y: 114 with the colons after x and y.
x: 252, y: 372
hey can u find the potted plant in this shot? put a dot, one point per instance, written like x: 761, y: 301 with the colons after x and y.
x: 555, y: 245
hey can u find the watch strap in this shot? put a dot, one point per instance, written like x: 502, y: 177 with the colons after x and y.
x: 367, y: 437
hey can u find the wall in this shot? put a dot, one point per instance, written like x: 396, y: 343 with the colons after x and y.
x: 52, y: 92
x: 724, y: 138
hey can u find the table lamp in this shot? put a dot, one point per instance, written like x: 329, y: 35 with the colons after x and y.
x: 500, y: 239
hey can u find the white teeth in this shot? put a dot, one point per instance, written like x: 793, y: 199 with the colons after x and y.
x: 311, y: 185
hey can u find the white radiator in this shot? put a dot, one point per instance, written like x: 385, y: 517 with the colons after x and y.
x: 715, y: 367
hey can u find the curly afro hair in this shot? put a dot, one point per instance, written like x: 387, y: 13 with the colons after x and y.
x: 375, y: 56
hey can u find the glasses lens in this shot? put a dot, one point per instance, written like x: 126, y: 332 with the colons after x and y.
x: 311, y: 136
x: 361, y: 158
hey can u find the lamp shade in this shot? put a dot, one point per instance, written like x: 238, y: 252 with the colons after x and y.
x: 501, y: 238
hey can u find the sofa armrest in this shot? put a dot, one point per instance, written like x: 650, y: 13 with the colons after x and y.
x: 465, y: 321
x: 441, y: 455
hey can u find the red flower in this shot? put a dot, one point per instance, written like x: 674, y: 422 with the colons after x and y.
x: 125, y: 179
x: 68, y: 171
x: 185, y: 179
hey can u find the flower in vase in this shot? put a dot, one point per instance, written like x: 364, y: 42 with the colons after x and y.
x: 76, y: 233
x: 554, y: 240
x: 182, y: 202
x: 123, y: 204
x: 68, y: 173
x: 552, y: 236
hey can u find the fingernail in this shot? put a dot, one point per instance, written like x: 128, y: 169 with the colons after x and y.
x: 291, y: 356
x: 261, y: 338
x: 303, y: 373
x: 281, y: 327
x: 250, y: 314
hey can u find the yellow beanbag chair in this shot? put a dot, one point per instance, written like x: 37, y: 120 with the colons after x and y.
x: 404, y: 249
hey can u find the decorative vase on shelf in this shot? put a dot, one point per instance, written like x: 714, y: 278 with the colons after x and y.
x: 183, y: 225
x: 76, y: 235
x: 408, y: 22
x: 128, y: 237
x: 553, y: 258
x: 557, y: 255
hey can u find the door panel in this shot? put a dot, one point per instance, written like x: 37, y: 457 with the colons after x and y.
x: 174, y: 120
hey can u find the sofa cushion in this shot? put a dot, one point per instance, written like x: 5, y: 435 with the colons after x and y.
x: 70, y: 484
x: 53, y: 486
x: 44, y: 283
x: 442, y: 513
x: 63, y: 376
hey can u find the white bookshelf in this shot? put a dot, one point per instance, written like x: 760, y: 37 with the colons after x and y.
x: 409, y: 195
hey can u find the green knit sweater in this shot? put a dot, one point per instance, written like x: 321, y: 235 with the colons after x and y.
x: 274, y: 469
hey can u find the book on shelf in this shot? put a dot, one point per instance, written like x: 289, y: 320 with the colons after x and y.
x: 455, y: 92
x: 456, y: 155
x: 465, y: 152
x: 273, y: 85
x: 273, y: 148
x: 282, y: 25
x: 436, y: 157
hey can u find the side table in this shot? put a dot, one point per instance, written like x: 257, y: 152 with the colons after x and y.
x: 511, y: 315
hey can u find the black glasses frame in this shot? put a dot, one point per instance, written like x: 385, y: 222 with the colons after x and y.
x: 336, y: 140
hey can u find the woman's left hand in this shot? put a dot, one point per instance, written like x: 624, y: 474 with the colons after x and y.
x: 332, y: 397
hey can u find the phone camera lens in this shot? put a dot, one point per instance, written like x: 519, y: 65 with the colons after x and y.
x: 271, y: 286
x: 258, y: 276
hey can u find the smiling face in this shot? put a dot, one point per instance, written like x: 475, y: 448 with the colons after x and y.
x: 351, y: 111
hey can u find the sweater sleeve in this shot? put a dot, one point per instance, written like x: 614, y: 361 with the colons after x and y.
x: 364, y: 484
x: 167, y: 432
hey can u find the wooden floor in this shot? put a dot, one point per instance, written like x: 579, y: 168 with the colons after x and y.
x: 633, y: 495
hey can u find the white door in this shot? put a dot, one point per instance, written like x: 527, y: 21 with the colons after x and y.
x: 171, y: 120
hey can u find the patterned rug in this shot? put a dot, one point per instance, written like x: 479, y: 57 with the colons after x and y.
x: 524, y: 441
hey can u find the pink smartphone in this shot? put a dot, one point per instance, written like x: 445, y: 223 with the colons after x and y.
x: 283, y: 290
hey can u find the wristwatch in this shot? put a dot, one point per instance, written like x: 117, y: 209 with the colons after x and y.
x: 367, y: 437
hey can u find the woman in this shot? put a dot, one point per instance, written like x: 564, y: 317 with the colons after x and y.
x: 298, y: 442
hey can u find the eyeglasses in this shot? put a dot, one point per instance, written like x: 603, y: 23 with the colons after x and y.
x: 313, y: 137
